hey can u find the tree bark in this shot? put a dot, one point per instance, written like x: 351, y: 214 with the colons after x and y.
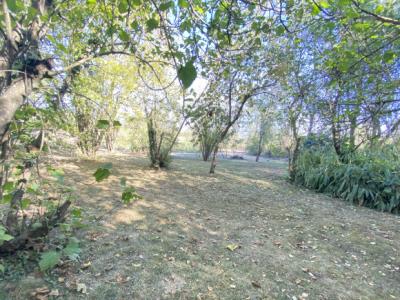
x: 214, y: 160
x: 223, y: 134
x: 293, y: 155
x: 260, y: 141
x: 12, y: 99
x: 311, y: 124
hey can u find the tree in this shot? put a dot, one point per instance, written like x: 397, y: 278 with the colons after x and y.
x: 46, y: 41
x: 97, y: 96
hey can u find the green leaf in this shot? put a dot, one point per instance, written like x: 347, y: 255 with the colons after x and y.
x: 388, y: 56
x: 166, y: 5
x: 324, y: 4
x: 136, y: 2
x: 15, y: 5
x: 101, y: 174
x: 34, y: 187
x: 129, y: 194
x: 6, y: 198
x: 102, y: 124
x: 4, y: 236
x: 25, y: 203
x: 380, y: 8
x: 117, y: 123
x: 123, y: 6
x: 151, y: 24
x: 76, y: 212
x: 183, y: 3
x: 315, y: 10
x: 49, y: 260
x: 124, y: 36
x: 2, y: 268
x: 187, y: 74
x: 58, y: 174
x: 280, y: 30
x: 91, y: 2
x: 9, y: 186
x: 72, y: 249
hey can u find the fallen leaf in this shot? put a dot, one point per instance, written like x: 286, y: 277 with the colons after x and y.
x: 86, y: 265
x: 305, y: 270
x: 42, y: 290
x: 232, y: 247
x: 121, y: 279
x: 303, y: 296
x: 256, y: 284
x: 81, y: 288
x: 312, y: 276
x: 54, y: 293
x: 41, y: 293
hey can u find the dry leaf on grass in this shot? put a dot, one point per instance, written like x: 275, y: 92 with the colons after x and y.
x: 43, y: 293
x: 232, y: 247
x: 86, y: 265
x: 81, y: 288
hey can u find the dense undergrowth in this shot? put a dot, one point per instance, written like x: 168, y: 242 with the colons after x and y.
x: 369, y: 178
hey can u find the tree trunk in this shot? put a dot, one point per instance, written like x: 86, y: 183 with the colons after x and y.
x: 376, y: 129
x: 353, y: 126
x: 12, y: 99
x: 214, y: 160
x: 335, y: 128
x: 311, y: 124
x: 293, y: 155
x: 206, y: 149
x: 260, y: 141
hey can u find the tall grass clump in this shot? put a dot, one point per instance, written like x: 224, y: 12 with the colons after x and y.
x: 370, y: 177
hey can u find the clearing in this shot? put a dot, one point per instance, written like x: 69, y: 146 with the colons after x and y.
x: 285, y: 242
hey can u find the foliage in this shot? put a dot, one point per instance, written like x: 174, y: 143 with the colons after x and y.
x: 4, y: 236
x: 97, y: 97
x: 102, y: 172
x: 207, y: 121
x: 129, y: 193
x: 370, y: 178
x: 159, y: 108
x: 51, y: 258
x: 187, y: 74
x: 35, y: 193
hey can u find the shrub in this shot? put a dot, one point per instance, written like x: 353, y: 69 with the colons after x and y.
x: 371, y: 178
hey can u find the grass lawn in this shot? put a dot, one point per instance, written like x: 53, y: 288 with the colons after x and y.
x: 243, y: 233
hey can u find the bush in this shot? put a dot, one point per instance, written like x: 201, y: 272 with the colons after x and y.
x: 371, y: 178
